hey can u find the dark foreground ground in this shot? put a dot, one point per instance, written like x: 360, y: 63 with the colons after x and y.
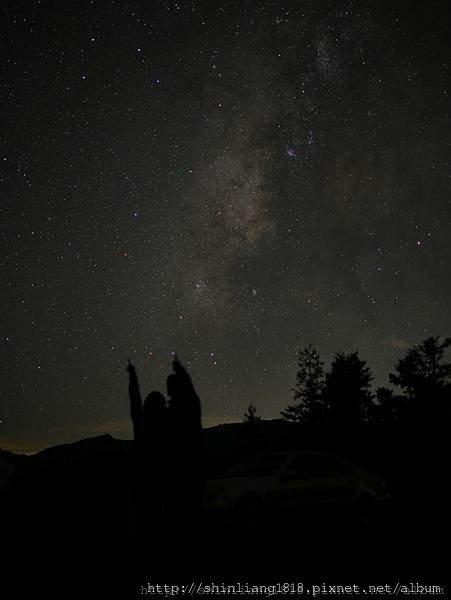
x: 71, y: 559
x: 66, y: 533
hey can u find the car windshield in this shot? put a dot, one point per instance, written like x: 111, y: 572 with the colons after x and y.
x: 257, y: 467
x: 319, y: 465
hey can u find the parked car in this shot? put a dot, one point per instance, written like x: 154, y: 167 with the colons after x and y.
x: 291, y: 480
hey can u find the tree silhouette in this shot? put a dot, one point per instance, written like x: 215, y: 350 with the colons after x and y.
x: 251, y: 434
x: 308, y: 393
x: 250, y: 417
x: 347, y: 390
x: 425, y: 378
x: 387, y: 408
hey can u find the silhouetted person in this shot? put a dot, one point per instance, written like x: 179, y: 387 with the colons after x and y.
x: 186, y: 473
x: 186, y: 441
x: 149, y: 457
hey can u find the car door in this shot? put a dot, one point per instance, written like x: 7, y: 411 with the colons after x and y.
x: 333, y: 478
x: 297, y: 484
x: 315, y: 478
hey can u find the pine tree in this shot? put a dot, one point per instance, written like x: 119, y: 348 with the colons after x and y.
x: 251, y: 435
x: 425, y: 378
x: 309, y: 406
x: 347, y: 390
x: 250, y: 417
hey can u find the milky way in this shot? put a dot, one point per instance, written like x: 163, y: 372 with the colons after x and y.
x: 227, y: 181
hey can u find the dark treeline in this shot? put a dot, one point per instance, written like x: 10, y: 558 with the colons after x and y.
x: 337, y: 409
x: 342, y: 396
x: 401, y: 431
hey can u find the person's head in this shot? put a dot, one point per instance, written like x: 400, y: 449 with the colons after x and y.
x: 154, y: 404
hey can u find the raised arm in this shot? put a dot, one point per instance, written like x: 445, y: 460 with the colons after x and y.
x: 182, y: 373
x: 135, y: 395
x: 190, y: 402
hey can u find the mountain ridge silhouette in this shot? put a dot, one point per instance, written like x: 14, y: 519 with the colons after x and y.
x: 220, y: 440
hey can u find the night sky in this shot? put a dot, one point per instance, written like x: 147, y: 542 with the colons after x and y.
x: 229, y: 181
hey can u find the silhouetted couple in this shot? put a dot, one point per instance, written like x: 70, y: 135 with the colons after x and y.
x: 168, y: 472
